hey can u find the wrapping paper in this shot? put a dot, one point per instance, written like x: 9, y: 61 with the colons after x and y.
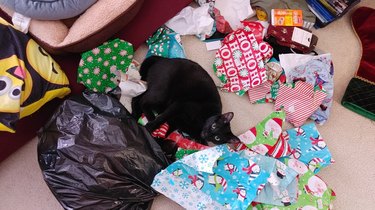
x: 181, y: 153
x: 313, y: 192
x: 308, y: 146
x: 234, y: 12
x: 256, y: 28
x: 184, y: 142
x: 281, y: 186
x: 160, y: 132
x: 288, y: 182
x: 303, y: 143
x: 316, y: 70
x: 267, y: 92
x: 270, y: 97
x: 259, y: 92
x: 131, y: 85
x: 274, y: 69
x: 211, y: 4
x: 225, y: 176
x: 301, y: 149
x: 99, y: 69
x: 193, y: 21
x: 299, y: 100
x: 240, y: 62
x: 222, y: 25
x: 264, y: 135
x: 165, y: 43
x: 182, y: 192
x: 289, y: 61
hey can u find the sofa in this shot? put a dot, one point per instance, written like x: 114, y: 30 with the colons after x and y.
x: 151, y: 15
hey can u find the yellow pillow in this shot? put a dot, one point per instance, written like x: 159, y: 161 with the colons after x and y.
x: 29, y: 77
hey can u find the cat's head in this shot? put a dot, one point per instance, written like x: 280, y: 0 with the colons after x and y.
x: 217, y: 129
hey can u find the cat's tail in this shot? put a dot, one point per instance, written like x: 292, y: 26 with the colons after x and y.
x: 146, y: 65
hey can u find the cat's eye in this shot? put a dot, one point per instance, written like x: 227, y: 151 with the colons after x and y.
x: 217, y: 138
x: 213, y: 126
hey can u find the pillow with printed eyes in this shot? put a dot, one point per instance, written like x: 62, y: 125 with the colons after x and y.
x: 29, y: 77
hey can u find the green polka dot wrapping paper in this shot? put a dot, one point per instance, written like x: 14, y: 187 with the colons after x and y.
x: 99, y: 69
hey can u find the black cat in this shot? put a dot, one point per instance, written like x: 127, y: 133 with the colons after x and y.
x: 185, y: 96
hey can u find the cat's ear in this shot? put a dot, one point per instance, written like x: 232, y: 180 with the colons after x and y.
x: 227, y: 117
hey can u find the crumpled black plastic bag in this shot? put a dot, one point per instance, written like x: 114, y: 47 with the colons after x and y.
x: 94, y: 155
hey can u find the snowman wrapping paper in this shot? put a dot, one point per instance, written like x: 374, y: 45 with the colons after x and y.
x: 313, y: 192
x: 182, y: 192
x: 287, y: 183
x: 227, y: 178
x: 184, y: 182
x: 281, y: 186
x: 304, y: 143
x: 302, y: 149
x: 308, y: 146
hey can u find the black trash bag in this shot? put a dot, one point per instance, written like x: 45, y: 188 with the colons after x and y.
x: 94, y: 155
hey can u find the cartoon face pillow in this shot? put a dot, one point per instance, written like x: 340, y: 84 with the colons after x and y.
x: 11, y: 81
x: 29, y: 77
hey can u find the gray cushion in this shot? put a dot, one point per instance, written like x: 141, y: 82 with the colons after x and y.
x: 48, y: 9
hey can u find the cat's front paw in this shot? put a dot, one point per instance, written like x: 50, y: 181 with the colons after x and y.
x: 151, y: 126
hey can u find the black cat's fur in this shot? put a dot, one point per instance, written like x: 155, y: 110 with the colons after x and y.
x: 185, y: 96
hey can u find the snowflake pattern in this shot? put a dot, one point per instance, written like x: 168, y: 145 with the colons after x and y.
x: 201, y: 206
x: 184, y: 185
x: 203, y: 158
x: 247, y: 29
x: 244, y: 72
x: 156, y: 182
x: 220, y: 148
x: 237, y: 54
x: 185, y: 195
x: 218, y: 61
x: 255, y: 46
x: 195, y: 190
x: 261, y: 64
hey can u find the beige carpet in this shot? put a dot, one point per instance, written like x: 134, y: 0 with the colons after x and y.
x: 350, y: 137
